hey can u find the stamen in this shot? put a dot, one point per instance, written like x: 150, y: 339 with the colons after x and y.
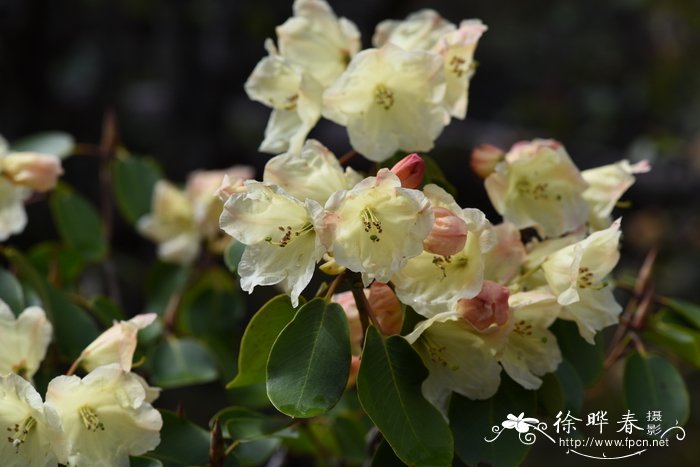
x: 18, y: 433
x: 371, y: 223
x: 289, y: 234
x: 383, y: 96
x: 90, y: 419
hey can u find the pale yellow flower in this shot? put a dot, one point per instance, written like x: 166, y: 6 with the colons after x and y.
x: 419, y: 31
x: 23, y: 340
x: 37, y: 171
x: 13, y: 217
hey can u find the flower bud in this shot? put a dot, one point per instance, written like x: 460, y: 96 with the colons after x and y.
x: 37, y: 171
x: 410, y: 171
x: 346, y: 300
x: 488, y: 308
x: 485, y: 158
x: 448, y: 235
x: 386, y: 308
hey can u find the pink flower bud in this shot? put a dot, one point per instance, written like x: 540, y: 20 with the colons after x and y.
x: 386, y: 308
x: 37, y: 171
x: 485, y: 158
x: 487, y: 308
x: 449, y: 234
x: 346, y: 300
x: 410, y: 170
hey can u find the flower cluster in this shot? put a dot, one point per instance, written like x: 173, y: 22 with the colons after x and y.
x: 22, y: 173
x: 400, y: 94
x: 100, y: 419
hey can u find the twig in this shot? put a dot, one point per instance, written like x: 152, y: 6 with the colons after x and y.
x: 363, y: 306
x: 333, y: 286
x: 347, y: 157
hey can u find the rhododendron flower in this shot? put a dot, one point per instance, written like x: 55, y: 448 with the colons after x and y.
x: 23, y: 340
x: 419, y: 31
x: 315, y: 173
x: 503, y: 262
x: 577, y: 275
x: 105, y: 416
x: 389, y: 99
x: 13, y: 217
x: 315, y: 39
x: 488, y: 308
x: 31, y: 431
x: 116, y: 345
x: 292, y: 93
x: 430, y: 282
x: 531, y: 350
x: 539, y: 186
x: 375, y: 227
x: 410, y: 171
x: 171, y: 224
x: 280, y: 234
x: 448, y: 235
x: 485, y: 158
x: 384, y: 305
x: 37, y: 171
x: 606, y: 185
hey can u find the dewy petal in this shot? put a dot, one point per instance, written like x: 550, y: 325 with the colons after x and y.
x: 105, y: 417
x: 389, y: 99
x: 23, y: 341
x: 539, y: 186
x: 21, y: 409
x: 314, y: 174
x: 317, y: 40
x: 531, y: 350
x: 375, y: 227
x: 457, y: 51
x: 419, y: 31
x: 13, y: 217
x: 430, y: 282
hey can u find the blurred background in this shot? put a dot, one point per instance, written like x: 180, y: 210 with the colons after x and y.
x: 611, y: 79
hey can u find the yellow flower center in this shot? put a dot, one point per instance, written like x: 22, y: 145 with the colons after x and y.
x: 383, y: 96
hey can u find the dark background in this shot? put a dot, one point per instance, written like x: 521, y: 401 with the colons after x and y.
x: 611, y: 79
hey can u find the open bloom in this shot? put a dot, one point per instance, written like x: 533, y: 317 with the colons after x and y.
x: 106, y: 417
x: 375, y: 227
x: 389, y: 99
x: 419, y: 31
x: 315, y: 173
x: 13, y: 217
x: 116, y: 345
x: 429, y: 282
x: 37, y: 171
x: 539, y: 186
x: 315, y: 39
x: 23, y: 340
x: 294, y: 96
x: 280, y: 234
x: 31, y: 431
x: 606, y: 185
x: 577, y: 275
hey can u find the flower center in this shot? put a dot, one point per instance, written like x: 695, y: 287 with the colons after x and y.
x: 585, y: 280
x: 90, y: 419
x: 383, y: 96
x: 457, y: 65
x: 288, y: 235
x: 538, y: 191
x: 436, y: 354
x: 18, y: 433
x: 372, y: 224
x: 523, y: 328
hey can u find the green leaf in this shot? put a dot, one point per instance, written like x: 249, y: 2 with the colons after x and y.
x: 106, y: 310
x: 586, y: 359
x: 134, y: 180
x: 53, y: 259
x: 258, y: 338
x: 163, y: 281
x: 182, y: 362
x: 389, y: 389
x: 472, y: 421
x: 385, y: 457
x: 142, y: 461
x: 689, y: 311
x: 73, y: 327
x: 309, y: 362
x: 244, y: 424
x: 78, y: 223
x: 50, y: 142
x: 676, y: 338
x: 212, y: 306
x: 181, y: 442
x: 571, y: 386
x: 233, y: 254
x: 11, y: 292
x: 256, y: 452
x: 652, y: 383
x: 434, y: 174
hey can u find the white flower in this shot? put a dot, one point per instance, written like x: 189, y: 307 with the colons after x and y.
x: 606, y: 185
x: 375, y: 227
x: 531, y: 350
x: 31, y: 431
x: 315, y: 173
x: 577, y: 275
x: 105, y: 416
x: 23, y: 340
x: 457, y: 51
x: 13, y: 217
x: 389, y: 99
x: 171, y: 224
x: 539, y: 186
x: 280, y: 234
x: 315, y: 39
x: 419, y: 31
x: 293, y: 94
x: 430, y: 282
x: 116, y: 345
x: 37, y: 171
